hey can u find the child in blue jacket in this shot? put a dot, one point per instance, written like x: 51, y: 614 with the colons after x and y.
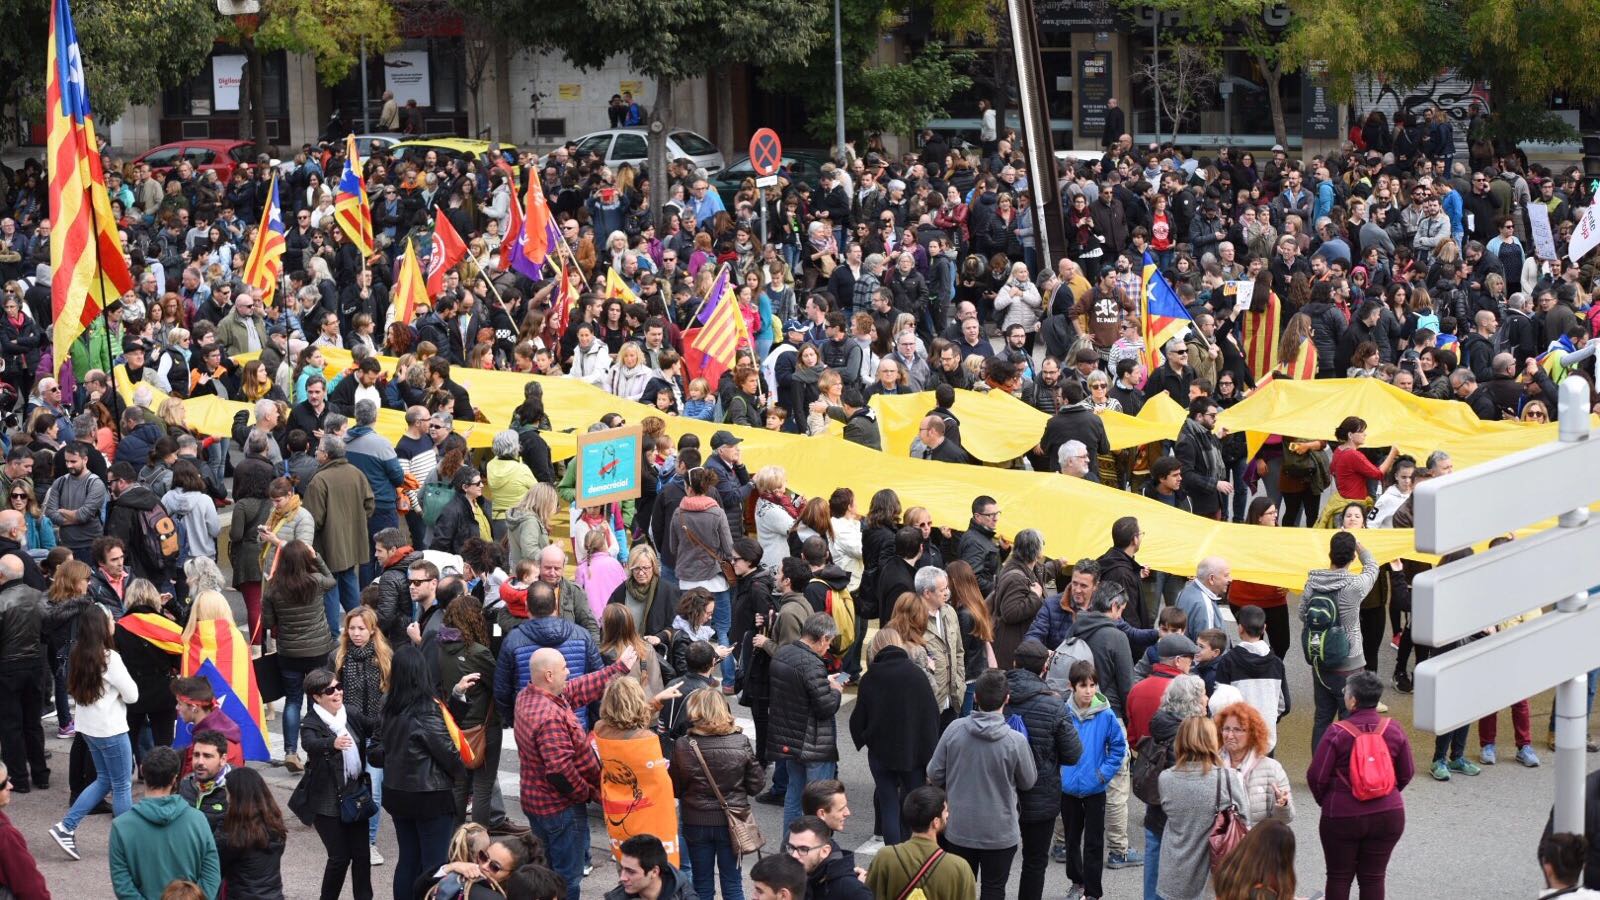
x: 1083, y: 785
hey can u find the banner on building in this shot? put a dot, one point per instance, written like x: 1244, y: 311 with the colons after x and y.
x: 1094, y: 93
x: 405, y: 72
x: 227, y: 73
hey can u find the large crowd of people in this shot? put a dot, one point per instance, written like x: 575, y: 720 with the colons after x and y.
x: 411, y: 600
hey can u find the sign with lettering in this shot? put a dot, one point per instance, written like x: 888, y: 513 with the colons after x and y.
x: 1094, y: 92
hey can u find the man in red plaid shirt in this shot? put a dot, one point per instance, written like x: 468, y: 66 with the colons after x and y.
x: 560, y: 773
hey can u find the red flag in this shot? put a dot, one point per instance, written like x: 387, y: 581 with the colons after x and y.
x: 448, y: 249
x: 566, y: 294
x: 538, y: 228
x: 510, y: 236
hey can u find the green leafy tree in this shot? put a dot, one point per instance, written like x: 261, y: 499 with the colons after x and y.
x: 1524, y: 49
x: 131, y: 51
x: 667, y: 40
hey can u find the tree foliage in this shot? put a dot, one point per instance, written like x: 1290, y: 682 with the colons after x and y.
x: 1525, y: 49
x: 331, y: 31
x: 132, y: 49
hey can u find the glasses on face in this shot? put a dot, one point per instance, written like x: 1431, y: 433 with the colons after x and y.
x: 489, y: 863
x: 478, y: 483
x: 800, y: 849
x: 19, y: 496
x: 335, y: 688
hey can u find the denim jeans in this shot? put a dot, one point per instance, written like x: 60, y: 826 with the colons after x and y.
x: 1152, y: 864
x: 423, y: 845
x: 345, y: 596
x: 708, y: 845
x: 216, y: 463
x: 294, y: 696
x: 113, y: 774
x: 800, y: 775
x: 721, y: 622
x: 566, y: 844
x: 1328, y: 690
x: 377, y: 797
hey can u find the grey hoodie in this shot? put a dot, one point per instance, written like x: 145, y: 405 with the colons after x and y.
x: 1348, y: 590
x: 982, y: 764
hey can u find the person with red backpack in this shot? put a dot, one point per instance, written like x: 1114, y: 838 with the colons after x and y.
x: 1360, y: 767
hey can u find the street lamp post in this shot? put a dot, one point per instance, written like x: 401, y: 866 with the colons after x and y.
x: 838, y: 83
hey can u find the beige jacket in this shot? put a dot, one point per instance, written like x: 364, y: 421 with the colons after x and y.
x: 943, y: 641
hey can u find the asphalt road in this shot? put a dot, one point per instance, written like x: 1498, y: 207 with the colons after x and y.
x: 1470, y: 837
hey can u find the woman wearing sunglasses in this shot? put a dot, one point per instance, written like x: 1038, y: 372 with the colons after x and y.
x: 335, y: 741
x: 479, y: 866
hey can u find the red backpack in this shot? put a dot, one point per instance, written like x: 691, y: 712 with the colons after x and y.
x: 1371, y: 769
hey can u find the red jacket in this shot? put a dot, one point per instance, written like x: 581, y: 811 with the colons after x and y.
x: 1145, y: 698
x: 18, y: 871
x: 558, y: 768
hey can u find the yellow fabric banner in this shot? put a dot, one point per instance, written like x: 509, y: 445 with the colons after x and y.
x: 997, y: 427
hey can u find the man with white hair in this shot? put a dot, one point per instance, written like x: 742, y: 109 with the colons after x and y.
x: 375, y: 457
x: 572, y: 603
x: 268, y: 421
x: 943, y: 641
x: 1074, y: 459
x: 1199, y: 599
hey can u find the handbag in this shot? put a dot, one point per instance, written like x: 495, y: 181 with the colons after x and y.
x: 725, y: 565
x: 355, y: 800
x: 269, y: 677
x: 475, y: 738
x: 743, y: 832
x: 1228, y: 828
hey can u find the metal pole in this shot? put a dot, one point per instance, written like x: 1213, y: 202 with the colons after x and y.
x: 764, y: 231
x: 1155, y: 67
x: 366, y: 110
x: 1572, y: 695
x: 838, y: 84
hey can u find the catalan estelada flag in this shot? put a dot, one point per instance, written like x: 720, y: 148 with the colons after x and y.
x: 86, y: 259
x: 717, y: 341
x: 1261, y: 331
x: 410, y: 288
x: 539, y: 234
x: 264, y: 269
x: 252, y: 735
x: 350, y: 206
x: 618, y: 289
x: 448, y: 249
x: 161, y: 631
x: 217, y: 641
x: 1162, y: 315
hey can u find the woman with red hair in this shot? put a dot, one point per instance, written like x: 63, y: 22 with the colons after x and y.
x: 1244, y: 749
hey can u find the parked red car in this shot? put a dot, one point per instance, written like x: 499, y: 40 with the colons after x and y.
x: 223, y: 156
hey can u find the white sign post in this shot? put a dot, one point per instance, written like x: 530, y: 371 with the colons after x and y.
x: 1558, y: 566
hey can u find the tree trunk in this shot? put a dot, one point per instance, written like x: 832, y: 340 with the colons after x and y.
x: 722, y: 110
x: 252, y: 109
x: 1273, y: 77
x: 661, y: 119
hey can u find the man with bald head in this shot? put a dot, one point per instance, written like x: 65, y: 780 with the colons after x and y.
x: 1200, y: 599
x: 560, y: 773
x: 572, y: 602
x: 13, y: 532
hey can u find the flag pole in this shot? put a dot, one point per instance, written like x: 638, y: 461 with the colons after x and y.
x: 105, y: 320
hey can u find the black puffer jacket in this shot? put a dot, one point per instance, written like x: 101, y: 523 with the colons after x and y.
x: 252, y: 873
x: 394, y: 598
x: 801, y: 723
x: 739, y: 775
x: 1053, y: 740
x: 317, y: 794
x: 300, y: 623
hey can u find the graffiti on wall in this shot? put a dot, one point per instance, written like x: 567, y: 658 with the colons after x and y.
x: 1448, y: 90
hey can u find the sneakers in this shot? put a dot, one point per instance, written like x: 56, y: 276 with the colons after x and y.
x: 65, y: 732
x: 1395, y: 642
x: 373, y: 856
x: 1527, y: 757
x: 1440, y: 771
x: 1058, y: 852
x: 1403, y: 682
x: 1382, y: 707
x: 1075, y: 892
x: 1464, y: 766
x: 1487, y: 754
x: 291, y: 761
x: 66, y: 839
x: 1125, y: 860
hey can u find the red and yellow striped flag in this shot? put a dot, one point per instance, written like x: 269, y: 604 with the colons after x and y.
x: 221, y: 642
x: 410, y: 288
x: 468, y: 758
x: 1261, y: 339
x: 264, y: 269
x: 1304, y: 365
x: 350, y: 206
x: 159, y: 630
x: 717, y: 341
x: 86, y: 263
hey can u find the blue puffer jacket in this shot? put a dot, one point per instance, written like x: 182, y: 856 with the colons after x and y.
x: 1104, y: 747
x: 375, y: 457
x: 1051, y: 624
x: 511, y: 669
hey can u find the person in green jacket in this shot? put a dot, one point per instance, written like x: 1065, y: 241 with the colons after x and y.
x: 162, y: 839
x: 924, y: 814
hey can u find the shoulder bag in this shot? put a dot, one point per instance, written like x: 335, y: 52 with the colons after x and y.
x: 743, y: 832
x: 355, y: 800
x: 725, y: 565
x: 1228, y: 828
x: 912, y: 890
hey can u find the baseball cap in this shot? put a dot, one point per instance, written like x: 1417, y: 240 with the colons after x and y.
x: 794, y: 325
x: 724, y: 439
